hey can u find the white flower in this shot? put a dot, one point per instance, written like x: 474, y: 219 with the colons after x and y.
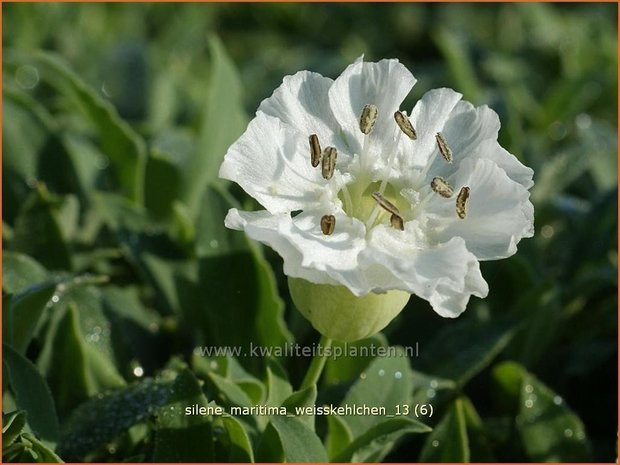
x: 412, y: 202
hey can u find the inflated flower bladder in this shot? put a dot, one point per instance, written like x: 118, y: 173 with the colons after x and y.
x: 368, y: 204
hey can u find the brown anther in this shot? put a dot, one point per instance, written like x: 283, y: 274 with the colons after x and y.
x: 329, y: 162
x: 461, y: 202
x: 315, y: 150
x: 445, y: 151
x: 328, y: 224
x: 396, y: 221
x: 368, y: 118
x: 385, y: 203
x: 405, y: 125
x: 441, y: 186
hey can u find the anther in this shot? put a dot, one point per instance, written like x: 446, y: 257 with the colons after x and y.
x: 445, y: 151
x: 328, y: 223
x: 405, y: 125
x: 441, y: 186
x: 315, y: 150
x: 385, y: 203
x: 461, y: 202
x: 368, y: 118
x: 329, y: 162
x: 397, y: 222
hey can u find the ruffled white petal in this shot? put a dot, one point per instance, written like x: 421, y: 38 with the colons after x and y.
x: 271, y: 162
x: 428, y: 117
x: 471, y: 132
x: 302, y: 102
x: 384, y: 84
x: 307, y: 252
x: 446, y: 275
x: 469, y: 126
x: 514, y: 169
x: 499, y: 212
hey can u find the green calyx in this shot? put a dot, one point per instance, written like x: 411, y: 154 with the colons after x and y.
x: 338, y: 314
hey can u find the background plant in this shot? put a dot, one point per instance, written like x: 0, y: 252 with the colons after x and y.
x: 116, y: 263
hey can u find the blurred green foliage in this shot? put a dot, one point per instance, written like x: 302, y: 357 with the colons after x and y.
x: 116, y: 263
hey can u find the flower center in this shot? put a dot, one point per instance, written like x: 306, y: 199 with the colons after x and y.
x: 374, y: 202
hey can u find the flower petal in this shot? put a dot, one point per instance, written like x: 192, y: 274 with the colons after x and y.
x: 429, y: 115
x: 307, y: 252
x: 514, y: 169
x: 384, y: 84
x: 302, y: 102
x: 469, y: 126
x: 271, y: 162
x: 471, y: 132
x: 499, y: 213
x: 446, y: 275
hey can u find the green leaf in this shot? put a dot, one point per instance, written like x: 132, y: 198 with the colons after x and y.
x: 339, y: 436
x: 101, y: 419
x: 238, y: 444
x: 374, y: 444
x: 223, y: 121
x: 133, y: 327
x: 64, y: 363
x: 463, y: 349
x: 246, y: 297
x: 550, y: 431
x: 180, y: 437
x: 507, y: 378
x: 304, y: 398
x: 12, y: 425
x: 23, y: 137
x: 31, y: 394
x: 212, y: 237
x: 251, y: 296
x: 43, y: 453
x: 38, y: 231
x: 479, y: 444
x: 229, y: 392
x: 162, y: 170
x: 299, y: 443
x: 387, y: 382
x: 278, y: 386
x: 354, y: 358
x: 125, y: 149
x: 20, y: 272
x: 270, y: 324
x: 448, y: 442
x: 76, y: 357
x: 24, y: 312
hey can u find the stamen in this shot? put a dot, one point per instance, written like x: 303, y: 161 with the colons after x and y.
x: 396, y: 221
x: 461, y: 202
x: 315, y: 150
x: 405, y: 125
x: 329, y: 162
x: 446, y: 153
x: 368, y: 118
x: 441, y: 186
x: 328, y: 224
x: 385, y: 203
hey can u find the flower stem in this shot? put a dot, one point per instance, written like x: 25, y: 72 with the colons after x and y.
x: 318, y: 362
